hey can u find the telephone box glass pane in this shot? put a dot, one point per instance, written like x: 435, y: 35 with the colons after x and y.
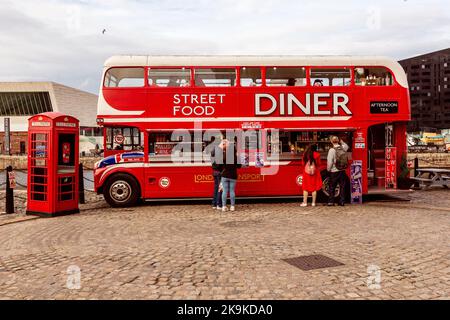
x: 39, y: 153
x: 66, y: 189
x: 66, y: 153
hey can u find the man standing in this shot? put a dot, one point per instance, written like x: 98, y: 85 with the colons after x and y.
x: 337, y: 163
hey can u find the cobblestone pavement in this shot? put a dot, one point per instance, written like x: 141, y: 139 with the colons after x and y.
x: 188, y: 250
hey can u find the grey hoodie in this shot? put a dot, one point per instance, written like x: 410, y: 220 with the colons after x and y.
x: 331, y: 159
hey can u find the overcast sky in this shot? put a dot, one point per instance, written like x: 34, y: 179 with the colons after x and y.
x: 62, y: 40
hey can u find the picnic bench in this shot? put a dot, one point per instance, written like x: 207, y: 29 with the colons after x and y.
x: 430, y: 177
x: 96, y: 152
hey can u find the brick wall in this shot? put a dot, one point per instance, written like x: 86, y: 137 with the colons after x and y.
x: 17, y: 138
x: 429, y: 83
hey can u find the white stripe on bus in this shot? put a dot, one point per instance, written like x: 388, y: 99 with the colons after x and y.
x: 182, y: 164
x: 203, y: 164
x: 222, y: 119
x: 162, y: 165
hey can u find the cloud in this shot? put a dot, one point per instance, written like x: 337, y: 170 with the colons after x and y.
x: 62, y: 40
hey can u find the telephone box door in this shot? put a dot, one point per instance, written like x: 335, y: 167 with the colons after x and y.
x: 67, y: 184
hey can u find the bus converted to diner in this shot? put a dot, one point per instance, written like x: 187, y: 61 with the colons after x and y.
x: 287, y: 102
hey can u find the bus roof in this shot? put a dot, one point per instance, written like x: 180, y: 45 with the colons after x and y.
x: 253, y: 60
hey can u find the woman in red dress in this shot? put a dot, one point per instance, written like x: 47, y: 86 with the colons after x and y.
x: 312, y: 180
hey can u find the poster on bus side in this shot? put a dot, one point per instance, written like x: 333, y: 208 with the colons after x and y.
x: 391, y: 168
x: 259, y: 159
x: 356, y: 182
x: 244, y: 159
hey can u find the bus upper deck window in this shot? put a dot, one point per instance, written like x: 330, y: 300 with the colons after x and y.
x: 124, y: 77
x: 377, y: 76
x: 251, y: 77
x: 285, y: 76
x: 169, y: 77
x: 215, y: 77
x: 330, y: 77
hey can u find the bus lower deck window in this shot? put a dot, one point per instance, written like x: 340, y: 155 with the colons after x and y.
x: 290, y: 145
x: 173, y: 146
x: 123, y: 138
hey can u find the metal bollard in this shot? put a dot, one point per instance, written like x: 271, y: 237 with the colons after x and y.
x: 416, y: 166
x: 81, y: 198
x: 9, y: 206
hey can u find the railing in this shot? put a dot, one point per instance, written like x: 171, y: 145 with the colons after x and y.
x: 10, y: 196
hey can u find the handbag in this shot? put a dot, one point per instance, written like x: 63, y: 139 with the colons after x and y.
x: 310, y: 168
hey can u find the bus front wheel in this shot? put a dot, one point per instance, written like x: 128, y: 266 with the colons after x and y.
x: 121, y: 190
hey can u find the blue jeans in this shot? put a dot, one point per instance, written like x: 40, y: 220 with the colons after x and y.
x: 217, y: 197
x: 229, y: 185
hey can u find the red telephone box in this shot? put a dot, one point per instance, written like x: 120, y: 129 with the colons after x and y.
x: 53, y: 140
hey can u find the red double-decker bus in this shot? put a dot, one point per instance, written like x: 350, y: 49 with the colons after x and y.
x: 287, y: 102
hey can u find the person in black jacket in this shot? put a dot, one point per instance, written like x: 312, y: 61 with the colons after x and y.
x: 216, y: 165
x: 229, y: 174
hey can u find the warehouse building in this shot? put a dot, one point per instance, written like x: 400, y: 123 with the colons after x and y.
x: 429, y: 84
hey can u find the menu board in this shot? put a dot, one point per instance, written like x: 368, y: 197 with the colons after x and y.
x: 164, y: 148
x: 356, y: 182
x: 383, y: 107
x: 244, y: 159
x: 391, y: 168
x: 259, y: 159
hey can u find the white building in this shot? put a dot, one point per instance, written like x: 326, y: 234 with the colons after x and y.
x: 20, y: 100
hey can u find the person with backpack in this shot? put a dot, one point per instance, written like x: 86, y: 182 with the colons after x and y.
x: 312, y: 180
x: 337, y: 163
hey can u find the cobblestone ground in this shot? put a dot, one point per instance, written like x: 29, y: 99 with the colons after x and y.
x: 188, y: 250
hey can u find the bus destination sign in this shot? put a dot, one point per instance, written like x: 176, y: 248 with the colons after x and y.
x: 383, y: 107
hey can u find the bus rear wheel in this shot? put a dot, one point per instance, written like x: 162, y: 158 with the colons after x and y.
x: 121, y: 190
x: 323, y: 194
